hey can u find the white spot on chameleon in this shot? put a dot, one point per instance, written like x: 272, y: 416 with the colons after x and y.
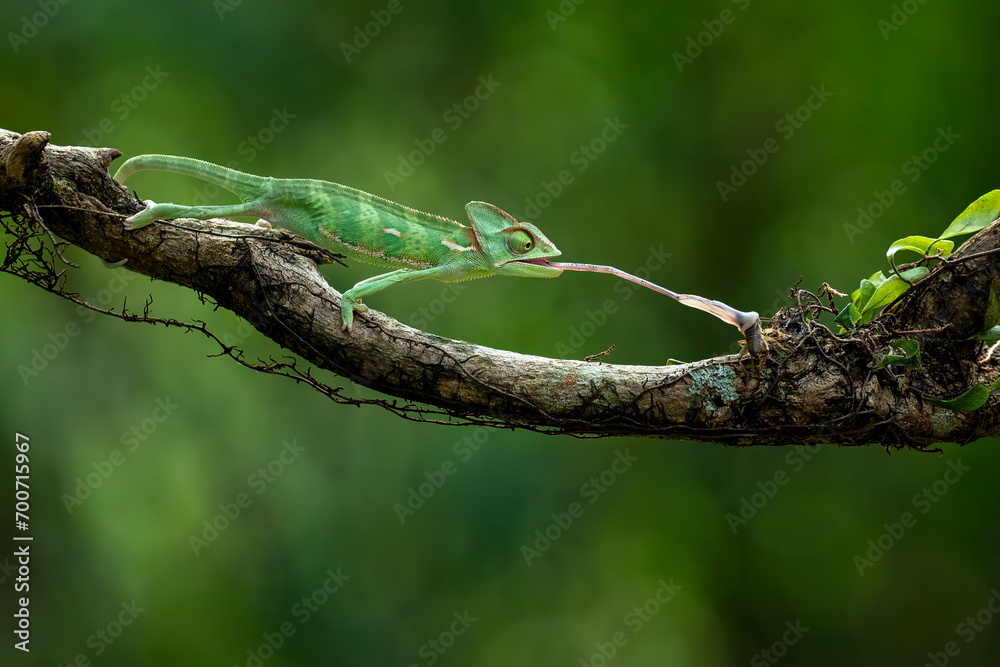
x: 391, y: 230
x: 451, y: 245
x: 374, y: 254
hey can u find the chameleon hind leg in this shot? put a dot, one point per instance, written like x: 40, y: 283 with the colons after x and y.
x: 351, y: 299
x: 154, y: 211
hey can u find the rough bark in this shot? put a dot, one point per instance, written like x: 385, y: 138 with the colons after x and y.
x: 820, y: 388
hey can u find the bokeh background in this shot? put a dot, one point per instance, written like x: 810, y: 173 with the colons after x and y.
x: 610, y: 125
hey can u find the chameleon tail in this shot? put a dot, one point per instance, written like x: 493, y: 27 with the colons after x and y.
x: 246, y: 186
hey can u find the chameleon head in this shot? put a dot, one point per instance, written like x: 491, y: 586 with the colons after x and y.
x: 512, y: 248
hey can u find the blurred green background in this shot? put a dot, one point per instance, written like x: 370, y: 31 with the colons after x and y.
x: 609, y: 125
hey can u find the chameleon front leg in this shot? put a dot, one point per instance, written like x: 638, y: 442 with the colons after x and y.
x: 154, y: 211
x: 350, y: 300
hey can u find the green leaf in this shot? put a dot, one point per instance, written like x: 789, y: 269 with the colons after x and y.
x: 861, y: 295
x: 868, y: 286
x: 905, y: 353
x: 978, y: 215
x: 922, y: 245
x: 848, y: 317
x: 890, y: 290
x: 990, y: 335
x: 995, y: 387
x: 973, y: 399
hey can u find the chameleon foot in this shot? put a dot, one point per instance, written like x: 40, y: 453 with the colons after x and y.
x: 347, y: 307
x: 142, y: 218
x: 769, y: 338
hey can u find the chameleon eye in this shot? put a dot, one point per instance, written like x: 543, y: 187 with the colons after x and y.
x: 520, y: 242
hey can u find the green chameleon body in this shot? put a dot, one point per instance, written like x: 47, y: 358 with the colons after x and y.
x: 377, y: 231
x: 364, y: 227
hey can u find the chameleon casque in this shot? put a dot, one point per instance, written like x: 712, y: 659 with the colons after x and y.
x: 377, y: 231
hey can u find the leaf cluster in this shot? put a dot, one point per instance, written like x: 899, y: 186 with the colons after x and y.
x: 878, y: 291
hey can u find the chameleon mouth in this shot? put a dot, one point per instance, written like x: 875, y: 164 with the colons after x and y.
x: 545, y: 268
x: 541, y: 261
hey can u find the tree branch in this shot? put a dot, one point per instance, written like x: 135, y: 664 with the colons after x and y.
x: 821, y: 389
